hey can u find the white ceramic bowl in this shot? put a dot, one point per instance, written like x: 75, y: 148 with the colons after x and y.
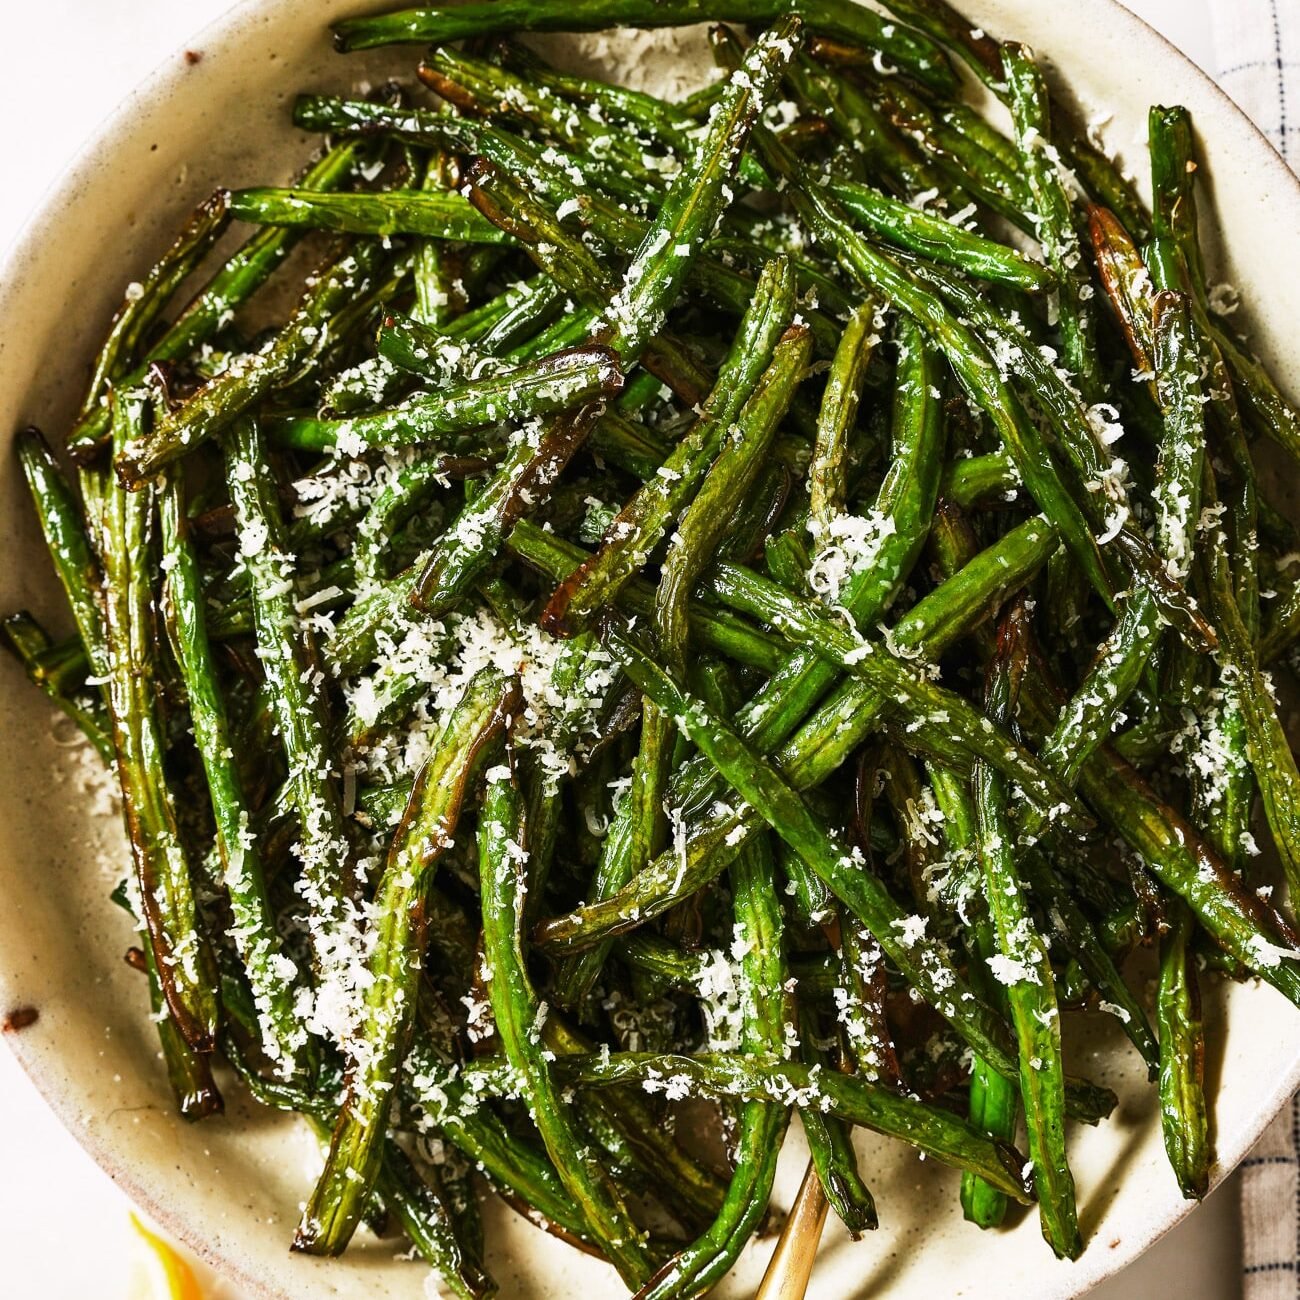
x: 231, y: 1187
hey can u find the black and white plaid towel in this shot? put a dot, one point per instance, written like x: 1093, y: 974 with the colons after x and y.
x: 1257, y: 58
x: 1270, y: 1211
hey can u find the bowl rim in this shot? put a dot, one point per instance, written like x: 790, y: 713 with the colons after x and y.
x: 168, y: 77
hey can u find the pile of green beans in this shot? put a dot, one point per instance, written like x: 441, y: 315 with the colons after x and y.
x: 685, y: 607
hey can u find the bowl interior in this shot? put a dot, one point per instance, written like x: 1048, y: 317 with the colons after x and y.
x: 232, y: 1187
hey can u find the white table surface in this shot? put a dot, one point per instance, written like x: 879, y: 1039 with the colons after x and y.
x: 64, y: 1227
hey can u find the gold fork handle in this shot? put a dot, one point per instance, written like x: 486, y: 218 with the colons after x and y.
x: 791, y: 1265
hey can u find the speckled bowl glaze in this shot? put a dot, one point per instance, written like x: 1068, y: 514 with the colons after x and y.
x: 231, y: 1186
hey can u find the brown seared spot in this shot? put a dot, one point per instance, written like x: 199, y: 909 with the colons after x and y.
x: 20, y: 1018
x: 193, y: 56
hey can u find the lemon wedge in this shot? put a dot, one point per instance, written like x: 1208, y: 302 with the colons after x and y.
x: 170, y: 1277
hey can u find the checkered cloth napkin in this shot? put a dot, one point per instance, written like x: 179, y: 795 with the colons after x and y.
x: 1257, y: 61
x: 1270, y: 1207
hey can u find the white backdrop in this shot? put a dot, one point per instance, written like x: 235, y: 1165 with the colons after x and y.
x: 64, y: 1227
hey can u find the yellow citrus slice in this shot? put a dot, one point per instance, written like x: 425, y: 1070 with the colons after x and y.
x: 177, y: 1278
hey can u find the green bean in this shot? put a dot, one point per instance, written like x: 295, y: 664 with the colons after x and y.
x: 714, y: 629
x: 867, y: 136
x: 817, y: 286
x: 1072, y: 926
x: 837, y: 420
x: 462, y: 1224
x: 443, y: 354
x: 968, y: 122
x: 463, y: 136
x: 1241, y: 495
x: 57, y: 676
x: 272, y: 974
x: 830, y: 1143
x: 965, y: 169
x: 442, y: 358
x: 236, y: 281
x: 1173, y: 176
x: 1260, y: 394
x: 816, y: 750
x: 937, y: 1132
x: 223, y: 400
x: 636, y: 834
x: 729, y: 1075
x: 563, y: 179
x: 422, y: 1211
x: 702, y: 525
x: 535, y: 304
x: 1127, y: 283
x: 1173, y: 171
x: 648, y: 953
x: 1055, y: 224
x: 656, y: 1152
x: 1183, y: 1118
x: 617, y: 1155
x: 502, y: 857
x: 1105, y: 494
x: 941, y: 241
x: 470, y: 738
x: 1025, y: 967
x: 1240, y: 922
x: 445, y: 350
x: 58, y: 667
x: 411, y: 485
x: 577, y: 663
x: 866, y: 1037
x: 1267, y: 746
x: 480, y: 88
x: 970, y: 361
x: 994, y: 1100
x: 288, y: 655
x: 863, y: 570
x: 373, y: 382
x: 189, y: 1073
x: 925, y: 963
x: 440, y: 294
x: 1174, y: 257
x: 514, y: 1167
x: 638, y: 831
x: 1083, y: 939
x: 1176, y: 494
x: 426, y: 1219
x: 983, y: 54
x: 972, y: 480
x: 523, y: 479
x: 1090, y: 716
x: 678, y: 369
x: 764, y: 1014
x: 567, y: 259
x: 647, y: 516
x: 556, y: 383
x: 64, y: 529
x: 901, y: 45
x: 163, y: 881
x: 636, y: 108
x: 146, y: 299
x: 921, y: 702
x: 438, y: 215
x: 697, y: 199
